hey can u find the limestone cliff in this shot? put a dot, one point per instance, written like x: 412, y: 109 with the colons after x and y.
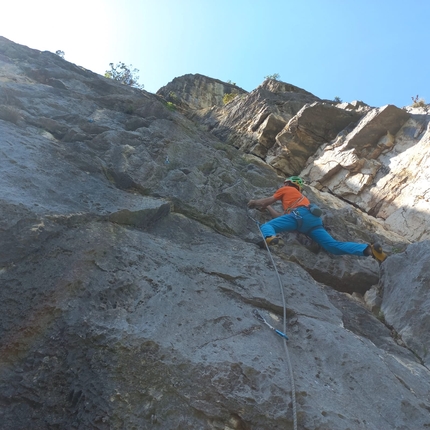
x: 129, y: 275
x: 198, y: 92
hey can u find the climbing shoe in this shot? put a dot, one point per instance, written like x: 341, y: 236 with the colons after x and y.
x: 271, y: 240
x: 376, y: 252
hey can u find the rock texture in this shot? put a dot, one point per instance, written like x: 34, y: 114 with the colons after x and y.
x: 198, y: 92
x: 129, y: 277
x: 382, y: 166
x: 374, y: 158
x: 313, y: 125
x: 252, y: 121
x: 406, y: 297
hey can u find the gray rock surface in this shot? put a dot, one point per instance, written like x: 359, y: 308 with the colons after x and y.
x: 129, y: 277
x: 406, y: 297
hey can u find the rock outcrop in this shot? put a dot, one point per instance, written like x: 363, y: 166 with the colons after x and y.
x: 343, y: 148
x: 129, y: 275
x: 198, y: 91
x: 382, y: 167
x: 313, y: 125
x: 252, y: 121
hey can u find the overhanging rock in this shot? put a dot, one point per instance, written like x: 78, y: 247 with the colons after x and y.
x: 376, y: 124
x: 349, y: 163
x: 313, y: 125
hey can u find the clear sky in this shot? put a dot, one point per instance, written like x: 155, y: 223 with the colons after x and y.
x: 376, y: 51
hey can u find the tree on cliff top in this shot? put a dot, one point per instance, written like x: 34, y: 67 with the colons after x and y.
x: 126, y: 75
x: 274, y: 77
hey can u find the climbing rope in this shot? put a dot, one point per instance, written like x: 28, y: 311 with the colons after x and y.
x: 283, y: 335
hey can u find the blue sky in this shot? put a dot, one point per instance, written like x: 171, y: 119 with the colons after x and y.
x: 370, y: 50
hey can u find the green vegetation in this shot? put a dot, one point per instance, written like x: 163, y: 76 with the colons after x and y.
x: 172, y: 101
x: 170, y: 106
x: 228, y: 97
x: 274, y: 77
x: 124, y: 74
x: 337, y: 99
x: 172, y: 97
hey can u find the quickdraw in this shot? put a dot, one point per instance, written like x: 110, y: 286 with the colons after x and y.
x: 261, y: 318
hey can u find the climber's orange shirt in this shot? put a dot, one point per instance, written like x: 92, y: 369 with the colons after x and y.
x: 290, y: 197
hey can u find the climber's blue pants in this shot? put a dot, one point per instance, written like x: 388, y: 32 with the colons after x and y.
x: 291, y: 222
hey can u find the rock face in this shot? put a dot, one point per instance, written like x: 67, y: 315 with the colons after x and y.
x: 313, y: 125
x: 345, y: 149
x: 356, y: 154
x: 406, y: 297
x: 198, y: 91
x: 130, y: 280
x: 252, y: 121
x: 382, y: 166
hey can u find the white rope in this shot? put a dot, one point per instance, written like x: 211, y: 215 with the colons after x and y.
x: 290, y: 368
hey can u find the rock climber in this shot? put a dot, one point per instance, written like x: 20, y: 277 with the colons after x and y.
x: 300, y: 215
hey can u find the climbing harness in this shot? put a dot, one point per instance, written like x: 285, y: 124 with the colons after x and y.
x: 294, y: 205
x: 297, y: 215
x: 282, y: 334
x: 261, y: 318
x: 299, y: 220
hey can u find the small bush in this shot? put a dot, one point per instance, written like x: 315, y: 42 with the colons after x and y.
x: 121, y: 73
x: 337, y: 99
x: 170, y: 106
x: 275, y: 76
x: 172, y: 97
x: 228, y: 97
x: 418, y: 102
